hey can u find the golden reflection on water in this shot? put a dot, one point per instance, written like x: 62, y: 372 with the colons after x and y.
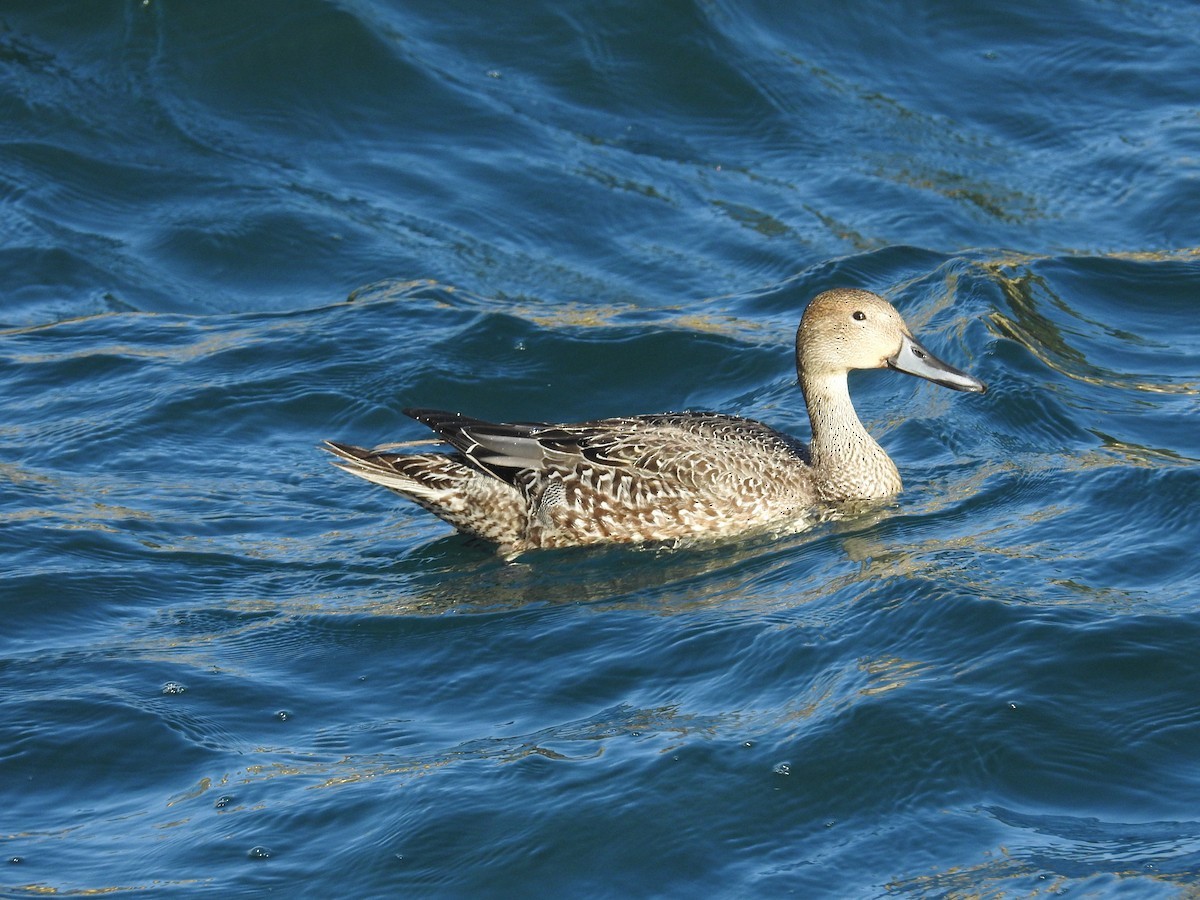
x: 890, y: 673
x: 50, y: 890
x: 1005, y: 872
x: 198, y: 338
x: 699, y: 315
x: 1026, y: 293
x: 1135, y: 454
x: 978, y: 557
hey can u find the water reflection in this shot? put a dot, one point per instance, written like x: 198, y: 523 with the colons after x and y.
x: 1058, y: 854
x: 1059, y: 340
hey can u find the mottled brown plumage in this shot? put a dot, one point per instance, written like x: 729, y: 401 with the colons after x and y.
x: 672, y: 476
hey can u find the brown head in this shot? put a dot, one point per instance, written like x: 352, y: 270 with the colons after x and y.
x: 848, y: 328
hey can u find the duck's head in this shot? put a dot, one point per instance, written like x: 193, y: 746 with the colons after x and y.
x: 847, y: 328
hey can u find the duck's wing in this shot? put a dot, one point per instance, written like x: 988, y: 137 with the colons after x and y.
x: 504, y: 449
x: 653, y: 445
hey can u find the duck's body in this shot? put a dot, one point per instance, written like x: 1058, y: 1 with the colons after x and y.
x: 673, y: 476
x: 627, y: 480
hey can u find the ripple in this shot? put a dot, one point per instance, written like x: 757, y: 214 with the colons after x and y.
x: 1083, y: 346
x: 229, y: 237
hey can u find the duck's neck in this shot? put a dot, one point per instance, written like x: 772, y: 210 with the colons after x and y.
x: 848, y: 464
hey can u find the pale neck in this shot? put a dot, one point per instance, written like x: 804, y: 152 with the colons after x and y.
x: 848, y: 463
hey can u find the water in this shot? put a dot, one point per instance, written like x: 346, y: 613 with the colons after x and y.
x: 233, y: 230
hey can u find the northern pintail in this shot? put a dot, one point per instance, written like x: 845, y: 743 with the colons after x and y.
x: 672, y: 476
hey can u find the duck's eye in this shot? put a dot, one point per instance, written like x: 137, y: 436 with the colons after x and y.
x: 860, y: 316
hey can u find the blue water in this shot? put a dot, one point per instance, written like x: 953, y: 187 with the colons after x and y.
x: 232, y: 230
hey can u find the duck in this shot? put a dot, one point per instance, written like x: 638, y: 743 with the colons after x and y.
x: 673, y: 477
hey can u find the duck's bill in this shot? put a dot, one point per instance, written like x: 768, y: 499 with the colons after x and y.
x: 916, y: 360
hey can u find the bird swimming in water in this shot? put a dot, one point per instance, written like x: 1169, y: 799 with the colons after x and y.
x: 674, y: 476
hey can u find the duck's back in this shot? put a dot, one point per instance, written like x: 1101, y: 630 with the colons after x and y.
x: 640, y: 478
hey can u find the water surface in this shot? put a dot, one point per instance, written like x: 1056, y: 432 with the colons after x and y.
x: 232, y: 231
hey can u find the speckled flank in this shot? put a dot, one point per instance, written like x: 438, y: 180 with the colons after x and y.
x: 671, y: 476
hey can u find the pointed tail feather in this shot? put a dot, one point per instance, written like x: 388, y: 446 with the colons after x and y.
x: 419, y: 475
x: 471, y: 501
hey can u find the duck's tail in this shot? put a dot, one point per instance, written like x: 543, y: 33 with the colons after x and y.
x: 419, y: 476
x: 474, y: 503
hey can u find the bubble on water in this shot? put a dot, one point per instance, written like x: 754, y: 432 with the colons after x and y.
x: 222, y: 802
x: 283, y: 715
x: 783, y: 769
x: 259, y: 853
x: 173, y: 687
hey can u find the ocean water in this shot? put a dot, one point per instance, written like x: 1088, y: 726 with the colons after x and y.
x: 230, y: 231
